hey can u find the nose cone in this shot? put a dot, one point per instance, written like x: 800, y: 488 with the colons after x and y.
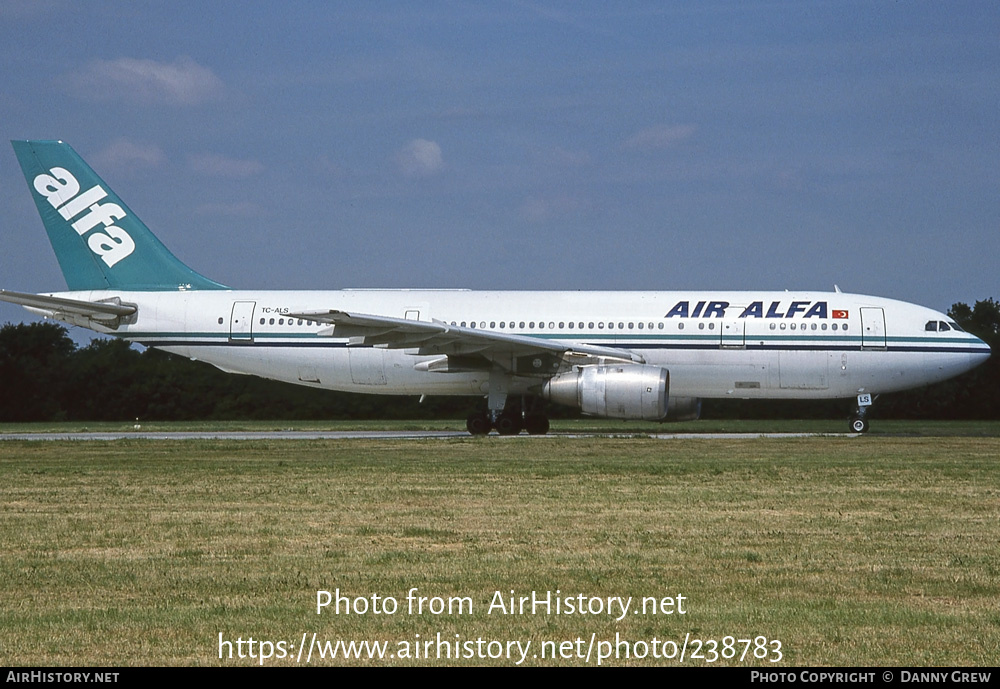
x: 980, y: 352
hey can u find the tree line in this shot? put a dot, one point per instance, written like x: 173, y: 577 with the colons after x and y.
x: 45, y: 376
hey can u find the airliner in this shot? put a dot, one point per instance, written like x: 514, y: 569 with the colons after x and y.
x: 620, y: 355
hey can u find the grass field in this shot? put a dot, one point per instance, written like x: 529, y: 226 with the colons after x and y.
x: 880, y: 427
x: 880, y: 550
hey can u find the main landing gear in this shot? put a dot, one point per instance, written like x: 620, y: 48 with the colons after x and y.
x: 509, y: 421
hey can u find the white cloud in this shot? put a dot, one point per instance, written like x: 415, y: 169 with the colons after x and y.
x: 660, y: 136
x: 181, y: 82
x: 420, y: 158
x: 124, y: 154
x: 222, y: 166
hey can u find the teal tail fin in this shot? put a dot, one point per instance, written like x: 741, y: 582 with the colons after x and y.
x: 99, y: 242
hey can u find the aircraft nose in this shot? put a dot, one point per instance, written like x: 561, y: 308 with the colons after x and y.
x: 980, y: 352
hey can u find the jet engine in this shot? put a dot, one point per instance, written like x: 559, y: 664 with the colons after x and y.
x: 684, y: 409
x: 627, y: 391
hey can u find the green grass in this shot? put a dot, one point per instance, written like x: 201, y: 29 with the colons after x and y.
x: 850, y: 551
x: 604, y: 426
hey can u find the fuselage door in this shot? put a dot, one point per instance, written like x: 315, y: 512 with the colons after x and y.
x: 733, y: 332
x: 872, y: 328
x: 732, y: 329
x: 241, y: 322
x: 416, y: 311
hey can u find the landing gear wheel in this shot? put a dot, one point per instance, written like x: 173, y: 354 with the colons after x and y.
x: 508, y: 423
x: 478, y: 423
x: 859, y: 424
x: 536, y: 424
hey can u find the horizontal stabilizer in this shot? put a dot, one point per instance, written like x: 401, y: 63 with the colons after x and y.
x: 98, y: 310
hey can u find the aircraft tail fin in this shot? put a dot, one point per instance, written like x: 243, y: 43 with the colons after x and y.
x: 99, y: 242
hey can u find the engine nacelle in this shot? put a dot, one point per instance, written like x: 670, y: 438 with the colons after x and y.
x: 626, y: 391
x: 684, y: 409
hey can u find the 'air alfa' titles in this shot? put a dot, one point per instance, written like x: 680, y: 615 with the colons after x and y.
x: 776, y: 309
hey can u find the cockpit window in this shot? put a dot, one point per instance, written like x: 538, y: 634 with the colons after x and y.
x: 942, y: 327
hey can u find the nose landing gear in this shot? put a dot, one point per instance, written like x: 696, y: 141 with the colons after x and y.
x: 859, y: 419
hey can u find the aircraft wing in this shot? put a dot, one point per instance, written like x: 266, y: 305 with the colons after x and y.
x: 460, y: 343
x: 59, y: 306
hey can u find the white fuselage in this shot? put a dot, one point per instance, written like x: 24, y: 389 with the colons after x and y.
x: 714, y: 344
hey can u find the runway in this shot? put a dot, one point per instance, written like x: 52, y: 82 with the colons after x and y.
x: 387, y: 435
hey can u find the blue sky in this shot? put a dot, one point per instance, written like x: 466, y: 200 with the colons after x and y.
x: 525, y: 145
